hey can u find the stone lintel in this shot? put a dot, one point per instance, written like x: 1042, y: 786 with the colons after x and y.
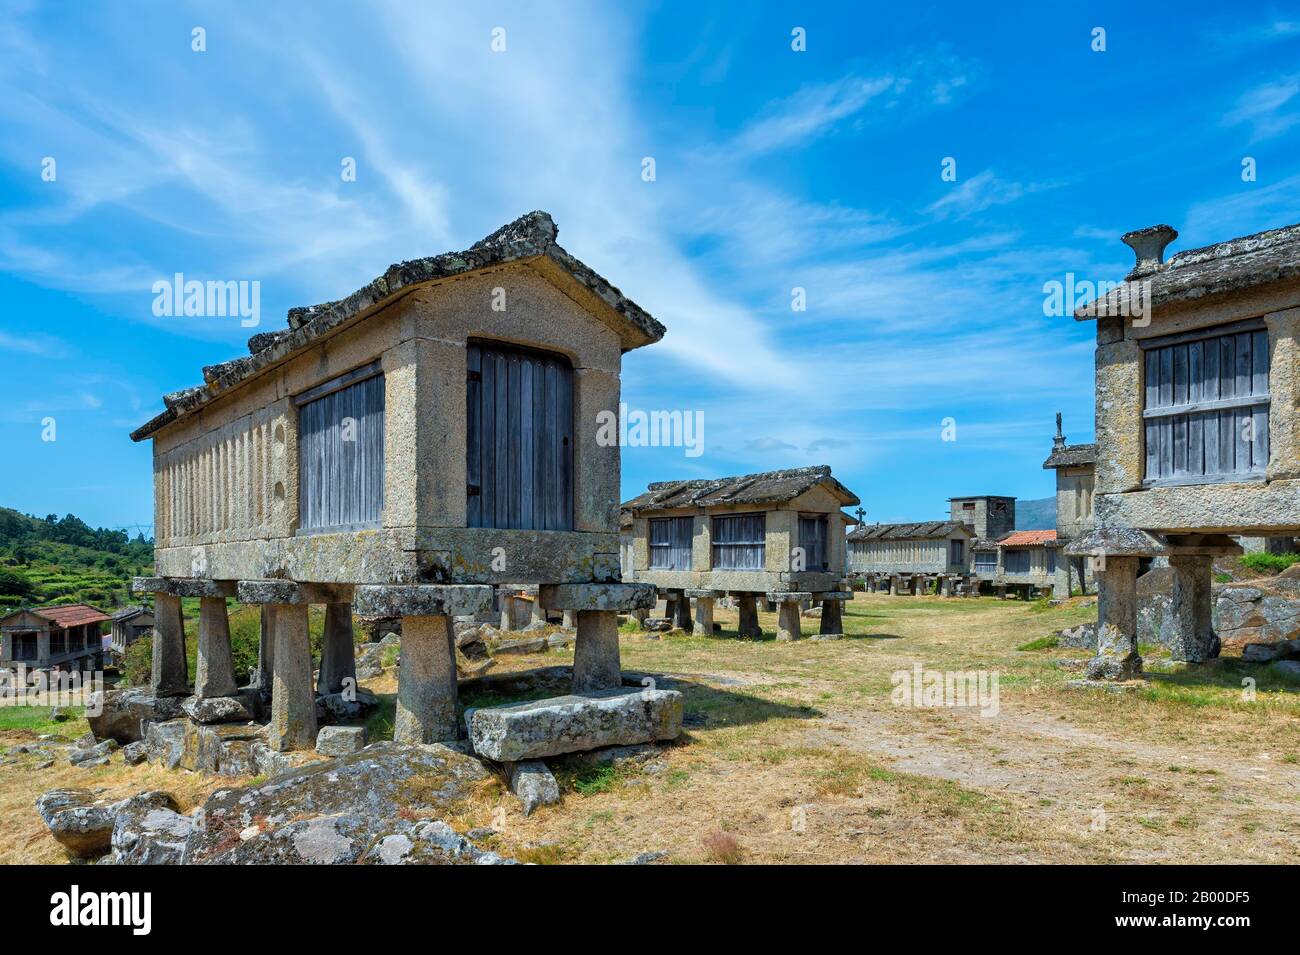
x: 597, y: 596
x: 835, y: 595
x: 421, y: 600
x: 1118, y: 542
x: 715, y: 594
x: 291, y: 592
x: 183, y: 586
x: 789, y: 596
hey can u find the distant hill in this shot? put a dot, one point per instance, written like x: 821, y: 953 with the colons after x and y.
x: 1036, y: 515
x: 55, y: 560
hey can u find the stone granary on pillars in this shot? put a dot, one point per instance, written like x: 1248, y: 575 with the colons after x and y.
x: 778, y: 535
x: 910, y: 558
x: 129, y: 625
x: 399, y: 452
x: 53, y: 639
x: 1026, y: 562
x: 1198, y: 433
x: 1075, y: 466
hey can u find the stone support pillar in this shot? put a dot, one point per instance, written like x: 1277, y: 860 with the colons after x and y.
x: 703, y: 616
x: 571, y: 618
x: 1187, y: 626
x: 682, y: 613
x: 169, y: 674
x: 787, y: 627
x: 832, y: 617
x: 265, y: 652
x: 747, y: 605
x: 214, y: 668
x: 1117, y: 653
x: 426, y: 681
x: 293, y: 704
x: 338, y: 662
x: 596, y: 664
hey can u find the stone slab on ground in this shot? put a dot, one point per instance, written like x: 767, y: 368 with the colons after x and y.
x: 123, y: 712
x: 570, y: 724
x: 220, y: 709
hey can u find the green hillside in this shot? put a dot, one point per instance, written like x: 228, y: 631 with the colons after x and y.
x: 61, y: 560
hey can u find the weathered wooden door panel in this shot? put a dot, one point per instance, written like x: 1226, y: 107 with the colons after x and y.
x: 341, y: 458
x: 519, y: 447
x: 1206, y: 408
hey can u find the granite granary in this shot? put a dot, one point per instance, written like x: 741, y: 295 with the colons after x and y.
x: 398, y: 453
x: 1198, y: 435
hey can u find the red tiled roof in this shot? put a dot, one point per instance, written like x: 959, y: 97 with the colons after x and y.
x: 71, y: 615
x: 1028, y: 538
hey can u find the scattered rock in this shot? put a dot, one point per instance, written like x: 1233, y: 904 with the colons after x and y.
x: 430, y: 842
x: 1082, y: 637
x: 133, y: 754
x: 646, y: 858
x: 340, y: 740
x: 223, y: 749
x: 165, y: 743
x: 346, y: 706
x: 96, y: 755
x: 520, y: 646
x: 82, y: 826
x: 122, y: 713
x: 533, y: 784
x: 657, y: 624
x: 1266, y: 613
x: 221, y: 709
x: 569, y: 724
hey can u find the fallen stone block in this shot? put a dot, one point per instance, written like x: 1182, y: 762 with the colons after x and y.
x: 96, y: 755
x: 82, y: 826
x: 165, y: 743
x: 222, y: 749
x: 221, y: 709
x: 533, y: 784
x: 133, y: 754
x: 348, y: 705
x: 570, y: 724
x: 122, y: 713
x: 340, y: 740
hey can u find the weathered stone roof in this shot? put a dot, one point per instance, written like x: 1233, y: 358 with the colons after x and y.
x: 923, y: 530
x: 1072, y: 455
x: 1243, y: 263
x: 529, y: 239
x: 768, y: 487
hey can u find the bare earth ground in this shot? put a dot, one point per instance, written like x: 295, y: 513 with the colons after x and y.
x: 796, y: 753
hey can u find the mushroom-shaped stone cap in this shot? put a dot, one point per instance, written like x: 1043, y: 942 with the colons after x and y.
x: 1149, y: 246
x: 1117, y: 542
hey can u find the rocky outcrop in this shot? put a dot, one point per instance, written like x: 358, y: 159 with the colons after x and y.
x: 569, y: 724
x: 84, y: 825
x: 150, y: 830
x: 335, y: 811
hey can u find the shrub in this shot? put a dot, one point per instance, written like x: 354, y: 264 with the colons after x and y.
x: 138, y: 665
x: 723, y: 848
x: 1274, y: 563
x: 15, y: 583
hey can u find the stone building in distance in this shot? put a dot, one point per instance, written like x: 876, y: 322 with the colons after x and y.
x: 1075, y: 466
x: 778, y: 535
x: 399, y: 452
x: 1198, y: 433
x: 46, y: 639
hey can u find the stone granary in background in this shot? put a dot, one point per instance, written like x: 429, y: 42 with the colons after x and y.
x: 1198, y: 434
x: 777, y: 535
x: 1075, y: 466
x: 129, y: 625
x: 910, y: 557
x: 398, y: 452
x: 65, y: 638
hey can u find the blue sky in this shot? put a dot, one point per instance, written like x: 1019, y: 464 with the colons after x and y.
x: 775, y: 169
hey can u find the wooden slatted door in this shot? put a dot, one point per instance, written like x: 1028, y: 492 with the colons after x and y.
x: 519, y: 447
x: 341, y: 453
x: 670, y: 543
x: 1206, y: 410
x: 812, y: 538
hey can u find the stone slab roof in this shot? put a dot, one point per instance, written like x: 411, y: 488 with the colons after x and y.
x: 529, y: 239
x: 1072, y: 455
x: 768, y: 487
x: 923, y: 530
x: 1243, y: 263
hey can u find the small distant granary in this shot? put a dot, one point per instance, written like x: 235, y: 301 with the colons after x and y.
x: 129, y: 625
x: 1025, y: 562
x: 778, y: 535
x: 1198, y: 432
x: 399, y: 452
x: 64, y: 638
x: 1075, y: 466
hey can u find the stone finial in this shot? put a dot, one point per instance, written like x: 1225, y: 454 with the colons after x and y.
x: 1059, y: 440
x: 1149, y: 246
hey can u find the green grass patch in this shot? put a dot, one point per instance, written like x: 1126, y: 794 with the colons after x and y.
x: 1269, y: 563
x: 36, y: 719
x: 1042, y: 643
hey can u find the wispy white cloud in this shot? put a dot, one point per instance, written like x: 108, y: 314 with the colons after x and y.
x: 1263, y: 108
x: 982, y: 191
